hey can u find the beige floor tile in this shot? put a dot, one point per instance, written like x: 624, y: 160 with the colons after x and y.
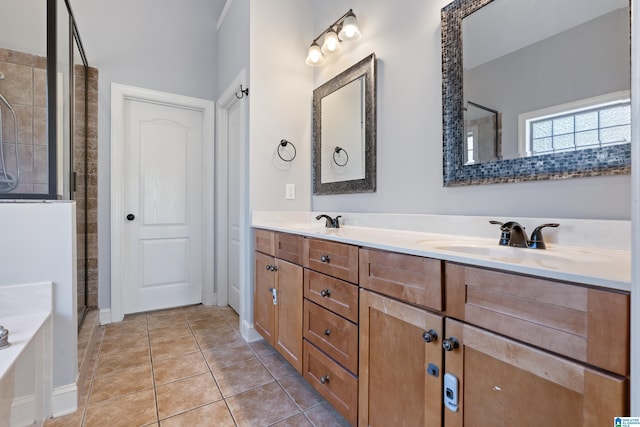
x: 215, y: 414
x: 173, y: 347
x: 205, y: 313
x: 208, y: 324
x: 137, y: 334
x: 166, y: 324
x: 242, y: 376
x: 224, y: 335
x: 181, y: 396
x: 169, y: 333
x: 228, y: 354
x: 261, y: 348
x: 262, y: 406
x: 121, y: 382
x: 296, y: 421
x: 125, y: 342
x: 325, y: 416
x: 112, y: 362
x: 305, y: 396
x: 136, y: 409
x: 175, y: 368
x: 278, y: 367
x: 71, y: 420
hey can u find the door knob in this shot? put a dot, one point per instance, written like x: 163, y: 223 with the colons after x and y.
x: 131, y: 217
x: 430, y: 336
x: 450, y: 344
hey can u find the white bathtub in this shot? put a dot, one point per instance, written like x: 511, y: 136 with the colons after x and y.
x: 26, y: 365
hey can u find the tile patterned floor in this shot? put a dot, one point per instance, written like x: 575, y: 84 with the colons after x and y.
x: 190, y: 367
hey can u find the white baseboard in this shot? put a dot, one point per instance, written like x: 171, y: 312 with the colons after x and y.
x: 249, y: 333
x: 64, y: 400
x: 24, y: 411
x: 105, y: 316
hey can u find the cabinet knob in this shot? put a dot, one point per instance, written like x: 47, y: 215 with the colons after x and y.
x: 324, y: 379
x: 430, y: 336
x: 450, y: 344
x: 327, y: 332
x: 325, y: 293
x: 274, y: 268
x: 269, y: 267
x: 325, y: 258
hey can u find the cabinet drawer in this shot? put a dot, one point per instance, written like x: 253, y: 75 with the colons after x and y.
x: 289, y: 247
x: 335, y: 259
x: 338, y: 296
x: 332, y: 334
x: 585, y: 324
x: 265, y: 241
x: 333, y: 382
x: 413, y: 279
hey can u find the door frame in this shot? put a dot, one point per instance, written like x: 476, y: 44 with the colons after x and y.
x: 119, y: 95
x: 225, y: 102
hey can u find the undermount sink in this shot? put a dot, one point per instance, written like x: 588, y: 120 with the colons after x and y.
x: 511, y: 254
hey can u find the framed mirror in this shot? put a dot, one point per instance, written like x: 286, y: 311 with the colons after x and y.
x: 535, y: 90
x: 344, y: 131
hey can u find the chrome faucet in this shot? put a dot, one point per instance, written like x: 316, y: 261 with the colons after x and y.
x: 330, y: 222
x: 513, y: 234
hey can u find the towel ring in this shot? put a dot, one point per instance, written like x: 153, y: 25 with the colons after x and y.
x: 284, y: 143
x: 337, y: 151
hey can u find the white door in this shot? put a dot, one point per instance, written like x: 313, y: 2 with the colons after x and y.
x: 163, y: 221
x: 233, y: 214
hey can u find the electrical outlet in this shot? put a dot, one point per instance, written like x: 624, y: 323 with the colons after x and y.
x: 290, y: 192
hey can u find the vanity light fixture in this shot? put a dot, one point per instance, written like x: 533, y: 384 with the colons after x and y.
x: 343, y: 30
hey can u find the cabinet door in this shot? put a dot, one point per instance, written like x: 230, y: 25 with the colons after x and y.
x: 504, y: 382
x: 263, y: 308
x: 289, y: 312
x: 400, y: 372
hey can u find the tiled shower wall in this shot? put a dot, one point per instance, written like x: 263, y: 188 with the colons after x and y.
x: 87, y: 142
x: 25, y: 88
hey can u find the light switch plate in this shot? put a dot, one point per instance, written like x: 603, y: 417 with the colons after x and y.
x: 290, y: 192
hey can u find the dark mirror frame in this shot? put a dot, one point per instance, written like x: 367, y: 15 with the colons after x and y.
x: 613, y: 160
x: 366, y: 68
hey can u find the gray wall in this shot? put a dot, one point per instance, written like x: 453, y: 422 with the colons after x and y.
x: 406, y: 38
x: 162, y: 45
x: 232, y: 44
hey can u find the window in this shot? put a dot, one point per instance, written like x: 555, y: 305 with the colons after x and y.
x: 592, y: 123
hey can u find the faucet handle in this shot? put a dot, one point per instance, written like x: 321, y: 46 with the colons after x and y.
x: 505, y: 236
x: 537, y: 241
x: 336, y: 222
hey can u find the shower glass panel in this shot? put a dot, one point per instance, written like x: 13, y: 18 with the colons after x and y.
x: 63, y: 111
x: 23, y: 99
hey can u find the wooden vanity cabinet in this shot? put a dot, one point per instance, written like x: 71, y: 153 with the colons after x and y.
x: 507, y: 383
x: 401, y: 357
x: 586, y: 324
x: 400, y: 372
x: 330, y: 325
x: 278, y: 299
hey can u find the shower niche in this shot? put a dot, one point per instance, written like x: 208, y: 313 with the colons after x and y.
x: 48, y: 121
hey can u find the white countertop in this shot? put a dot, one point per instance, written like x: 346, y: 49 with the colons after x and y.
x: 603, y: 267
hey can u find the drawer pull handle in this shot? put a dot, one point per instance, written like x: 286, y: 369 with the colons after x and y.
x: 430, y: 336
x: 325, y: 258
x: 324, y: 379
x: 327, y: 332
x: 325, y: 293
x: 450, y: 344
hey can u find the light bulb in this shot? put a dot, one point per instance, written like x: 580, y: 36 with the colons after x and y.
x: 314, y: 58
x: 349, y: 30
x: 331, y: 44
